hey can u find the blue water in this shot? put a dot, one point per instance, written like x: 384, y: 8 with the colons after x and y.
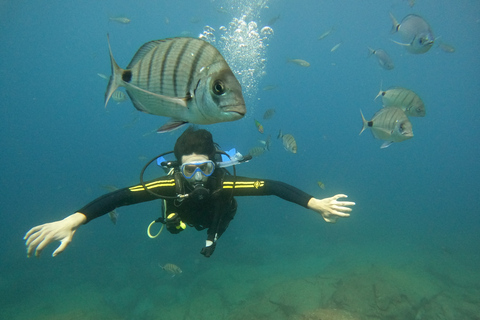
x: 414, y: 232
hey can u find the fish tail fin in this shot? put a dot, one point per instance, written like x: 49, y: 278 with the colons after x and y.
x: 365, y: 123
x: 116, y: 77
x: 379, y: 92
x: 370, y: 51
x: 280, y: 134
x: 395, y: 24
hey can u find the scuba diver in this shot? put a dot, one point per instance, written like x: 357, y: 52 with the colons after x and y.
x: 198, y: 192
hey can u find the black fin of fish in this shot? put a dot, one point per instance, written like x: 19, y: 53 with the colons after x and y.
x: 113, y: 82
x: 171, y: 125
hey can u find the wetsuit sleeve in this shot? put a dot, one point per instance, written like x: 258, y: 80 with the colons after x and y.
x: 128, y: 196
x: 263, y: 187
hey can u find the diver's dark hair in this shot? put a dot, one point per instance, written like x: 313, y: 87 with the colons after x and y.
x: 197, y: 141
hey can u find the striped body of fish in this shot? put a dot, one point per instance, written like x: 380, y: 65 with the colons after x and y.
x: 185, y: 79
x: 172, y: 269
x: 405, y: 99
x: 416, y: 34
x: 288, y: 141
x: 390, y: 124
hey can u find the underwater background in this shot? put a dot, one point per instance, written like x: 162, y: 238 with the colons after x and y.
x: 411, y: 248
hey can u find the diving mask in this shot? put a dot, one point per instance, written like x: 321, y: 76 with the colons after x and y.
x: 204, y: 168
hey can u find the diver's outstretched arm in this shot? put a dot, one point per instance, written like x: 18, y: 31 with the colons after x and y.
x: 41, y: 236
x: 330, y: 208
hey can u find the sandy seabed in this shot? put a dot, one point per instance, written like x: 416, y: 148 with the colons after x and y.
x: 356, y: 283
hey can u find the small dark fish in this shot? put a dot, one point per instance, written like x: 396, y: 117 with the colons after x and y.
x: 259, y: 126
x: 383, y: 58
x: 390, y: 124
x: 416, y: 34
x: 186, y: 79
x: 269, y: 114
x: 172, y: 269
x: 289, y: 142
x: 272, y: 21
x: 321, y: 185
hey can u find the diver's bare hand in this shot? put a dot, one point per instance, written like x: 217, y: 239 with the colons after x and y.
x: 41, y: 236
x: 330, y: 208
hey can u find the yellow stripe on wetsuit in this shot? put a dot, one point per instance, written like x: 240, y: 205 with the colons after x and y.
x: 243, y: 184
x: 154, y: 184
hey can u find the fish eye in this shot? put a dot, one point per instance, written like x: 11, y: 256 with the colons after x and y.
x: 218, y: 87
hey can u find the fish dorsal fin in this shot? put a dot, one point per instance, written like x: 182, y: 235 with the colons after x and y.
x: 146, y: 48
x: 182, y: 102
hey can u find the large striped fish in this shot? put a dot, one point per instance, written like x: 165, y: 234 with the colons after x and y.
x: 405, y: 99
x: 185, y: 79
x: 389, y: 124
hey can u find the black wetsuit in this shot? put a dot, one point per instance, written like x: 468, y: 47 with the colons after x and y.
x: 214, y: 213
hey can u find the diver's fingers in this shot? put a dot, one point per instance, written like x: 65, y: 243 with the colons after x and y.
x: 33, y: 242
x: 330, y: 219
x: 31, y: 231
x: 63, y: 244
x: 341, y: 214
x: 340, y: 208
x: 45, y: 241
x: 335, y: 197
x: 345, y: 203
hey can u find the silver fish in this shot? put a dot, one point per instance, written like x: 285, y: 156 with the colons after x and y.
x: 119, y: 96
x: 326, y: 33
x: 123, y: 20
x: 335, y: 47
x: 113, y: 215
x: 383, y: 58
x: 185, y: 79
x: 445, y: 47
x: 269, y: 113
x: 389, y: 124
x: 299, y: 62
x: 405, y: 99
x: 172, y: 269
x: 289, y: 142
x: 416, y: 34
x: 270, y: 87
x: 267, y: 143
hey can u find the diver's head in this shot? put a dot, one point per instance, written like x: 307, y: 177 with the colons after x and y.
x: 195, y: 151
x: 195, y: 141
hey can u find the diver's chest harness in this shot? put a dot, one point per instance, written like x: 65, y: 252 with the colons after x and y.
x: 196, y: 195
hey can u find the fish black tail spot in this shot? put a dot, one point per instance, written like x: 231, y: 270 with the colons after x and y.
x: 127, y: 76
x: 370, y: 123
